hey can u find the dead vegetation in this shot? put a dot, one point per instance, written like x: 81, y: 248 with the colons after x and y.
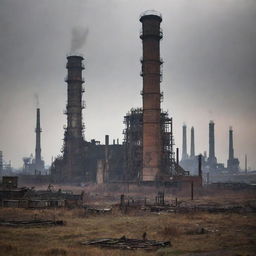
x: 189, y: 233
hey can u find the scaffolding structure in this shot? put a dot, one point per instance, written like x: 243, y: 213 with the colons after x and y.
x: 133, y: 145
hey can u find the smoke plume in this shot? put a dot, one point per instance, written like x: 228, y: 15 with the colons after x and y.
x: 36, y: 97
x: 79, y: 37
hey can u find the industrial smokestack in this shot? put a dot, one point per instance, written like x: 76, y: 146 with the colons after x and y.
x: 74, y: 131
x: 38, y: 131
x: 232, y: 163
x: 200, y: 165
x: 39, y: 164
x: 1, y: 162
x: 151, y: 73
x: 212, y: 161
x: 192, y: 148
x: 177, y: 156
x: 184, y: 142
x: 245, y: 163
x: 211, y: 140
x: 231, y: 147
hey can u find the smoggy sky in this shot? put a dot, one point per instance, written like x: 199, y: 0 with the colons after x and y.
x: 209, y: 71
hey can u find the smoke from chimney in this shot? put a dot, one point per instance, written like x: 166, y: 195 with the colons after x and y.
x: 36, y: 97
x: 79, y: 37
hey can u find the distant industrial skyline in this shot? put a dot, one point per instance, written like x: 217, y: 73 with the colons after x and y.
x: 208, y: 73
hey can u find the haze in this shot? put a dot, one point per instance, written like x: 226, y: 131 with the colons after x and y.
x: 209, y: 71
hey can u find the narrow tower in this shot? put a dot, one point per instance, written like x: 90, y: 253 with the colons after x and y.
x: 192, y: 148
x: 232, y: 163
x: 1, y: 163
x: 231, y: 146
x: 212, y: 161
x: 74, y: 132
x: 151, y: 73
x: 184, y: 142
x: 39, y: 164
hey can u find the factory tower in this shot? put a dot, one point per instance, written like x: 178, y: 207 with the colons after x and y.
x: 232, y: 163
x: 184, y: 143
x: 192, y: 148
x: 212, y: 160
x: 151, y: 72
x: 73, y: 139
x: 39, y: 164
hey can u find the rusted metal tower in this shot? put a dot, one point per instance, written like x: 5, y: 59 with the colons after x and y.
x: 74, y: 131
x: 151, y: 72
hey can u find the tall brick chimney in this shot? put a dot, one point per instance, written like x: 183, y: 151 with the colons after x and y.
x: 74, y: 132
x: 151, y: 73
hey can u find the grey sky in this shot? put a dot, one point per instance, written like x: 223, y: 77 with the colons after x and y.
x: 209, y: 70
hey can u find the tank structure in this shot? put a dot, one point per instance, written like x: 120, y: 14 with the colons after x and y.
x: 151, y: 72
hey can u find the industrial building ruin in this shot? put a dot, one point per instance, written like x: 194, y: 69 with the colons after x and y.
x: 146, y: 154
x: 81, y: 159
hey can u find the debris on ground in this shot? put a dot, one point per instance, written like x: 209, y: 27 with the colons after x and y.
x: 98, y: 210
x: 31, y: 223
x: 127, y: 243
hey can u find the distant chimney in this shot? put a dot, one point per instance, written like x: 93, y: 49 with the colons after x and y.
x: 192, y: 149
x: 212, y: 161
x: 231, y: 146
x: 184, y: 142
x: 39, y: 164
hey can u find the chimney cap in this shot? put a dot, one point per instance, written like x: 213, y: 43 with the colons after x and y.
x: 71, y: 56
x: 151, y: 13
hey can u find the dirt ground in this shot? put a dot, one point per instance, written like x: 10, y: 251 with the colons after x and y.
x: 194, y: 233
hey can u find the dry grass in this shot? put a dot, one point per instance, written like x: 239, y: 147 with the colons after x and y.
x: 231, y: 233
